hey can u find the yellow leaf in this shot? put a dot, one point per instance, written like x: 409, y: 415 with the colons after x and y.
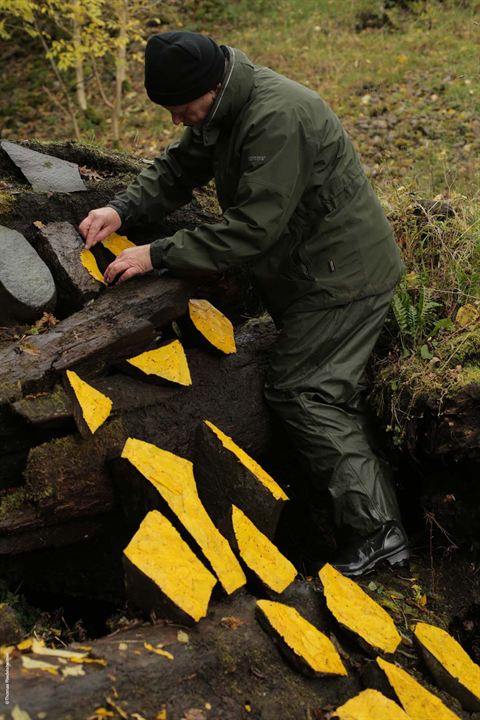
x: 89, y: 262
x: 423, y: 600
x: 159, y: 552
x: 102, y: 712
x: 161, y: 715
x: 6, y: 650
x: 261, y: 555
x: 89, y: 661
x: 182, y: 636
x: 122, y: 646
x: 451, y: 656
x: 39, y: 648
x: 213, y: 325
x: 117, y: 243
x: 467, y: 315
x: 29, y: 663
x: 168, y: 362
x: 303, y: 638
x: 95, y: 406
x: 355, y: 610
x: 417, y: 701
x: 411, y: 279
x: 167, y: 471
x: 19, y: 714
x: 158, y: 651
x: 370, y: 705
x: 38, y: 224
x: 248, y: 462
x: 25, y: 644
x: 402, y: 59
x: 75, y: 671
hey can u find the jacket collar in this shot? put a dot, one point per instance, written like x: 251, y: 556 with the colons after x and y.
x: 234, y: 93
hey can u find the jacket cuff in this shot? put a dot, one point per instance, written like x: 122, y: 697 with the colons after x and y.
x: 120, y: 208
x: 157, y: 252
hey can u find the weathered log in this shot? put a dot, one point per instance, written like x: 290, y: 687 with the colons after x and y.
x: 224, y: 479
x: 59, y: 244
x: 225, y: 663
x: 68, y: 477
x: 119, y: 324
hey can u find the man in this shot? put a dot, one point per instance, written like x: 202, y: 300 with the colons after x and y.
x: 299, y: 211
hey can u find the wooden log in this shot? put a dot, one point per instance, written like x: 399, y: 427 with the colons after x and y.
x: 119, y: 324
x: 70, y: 477
x: 59, y: 244
x: 227, y: 476
x: 233, y: 666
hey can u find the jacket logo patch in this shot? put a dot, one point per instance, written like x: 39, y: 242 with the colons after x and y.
x: 257, y: 158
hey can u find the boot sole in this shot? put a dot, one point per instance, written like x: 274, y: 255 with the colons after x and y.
x: 399, y: 557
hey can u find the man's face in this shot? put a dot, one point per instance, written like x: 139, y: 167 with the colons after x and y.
x: 193, y: 113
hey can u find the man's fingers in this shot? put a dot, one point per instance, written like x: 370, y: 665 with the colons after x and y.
x: 115, y: 267
x: 129, y: 273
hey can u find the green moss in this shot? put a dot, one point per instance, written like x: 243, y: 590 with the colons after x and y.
x: 7, y: 201
x: 469, y: 375
x: 463, y: 347
x: 13, y: 501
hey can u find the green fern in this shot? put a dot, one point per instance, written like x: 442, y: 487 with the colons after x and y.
x: 415, y: 313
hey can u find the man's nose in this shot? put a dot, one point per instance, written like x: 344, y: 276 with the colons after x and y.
x: 176, y: 119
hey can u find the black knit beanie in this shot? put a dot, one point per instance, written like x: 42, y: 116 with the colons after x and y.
x: 181, y: 66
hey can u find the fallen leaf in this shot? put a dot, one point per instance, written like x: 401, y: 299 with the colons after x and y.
x: 232, y: 622
x: 93, y: 661
x: 158, y: 651
x: 122, y: 646
x: 467, y: 315
x: 19, y: 714
x: 182, y: 636
x: 120, y: 711
x: 194, y: 714
x: 25, y: 645
x: 29, y: 663
x: 38, y: 224
x: 39, y: 648
x: 75, y: 671
x: 101, y: 712
x: 161, y: 715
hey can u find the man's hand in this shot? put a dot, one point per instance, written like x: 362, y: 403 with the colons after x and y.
x: 99, y: 224
x: 130, y: 262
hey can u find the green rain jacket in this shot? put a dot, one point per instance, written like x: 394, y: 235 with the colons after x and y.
x: 298, y: 208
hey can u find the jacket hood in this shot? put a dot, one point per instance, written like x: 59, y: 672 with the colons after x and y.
x: 234, y: 93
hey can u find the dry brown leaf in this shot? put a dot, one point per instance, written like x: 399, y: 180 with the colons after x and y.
x: 232, y: 622
x: 38, y: 224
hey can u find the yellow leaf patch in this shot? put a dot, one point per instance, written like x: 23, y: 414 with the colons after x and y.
x: 370, y: 705
x: 168, y: 362
x: 89, y: 262
x: 30, y: 664
x: 173, y: 477
x: 262, y: 476
x: 417, y: 701
x: 355, y: 610
x: 261, y: 555
x: 158, y: 651
x: 306, y: 641
x: 95, y: 406
x: 159, y: 552
x: 447, y: 651
x: 213, y: 325
x: 117, y: 243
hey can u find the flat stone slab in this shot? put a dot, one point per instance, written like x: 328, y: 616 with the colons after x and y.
x: 27, y: 288
x: 45, y: 173
x: 60, y: 246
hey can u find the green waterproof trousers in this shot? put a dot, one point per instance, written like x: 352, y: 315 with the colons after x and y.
x: 315, y: 384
